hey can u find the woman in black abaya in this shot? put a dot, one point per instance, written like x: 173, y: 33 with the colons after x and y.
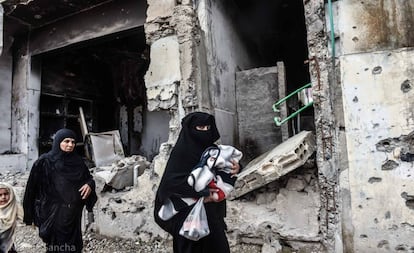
x: 198, y: 132
x: 58, y: 188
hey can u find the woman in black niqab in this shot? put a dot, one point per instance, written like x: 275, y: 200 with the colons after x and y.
x: 173, y: 186
x: 58, y: 188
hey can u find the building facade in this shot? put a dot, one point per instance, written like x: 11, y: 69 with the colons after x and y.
x: 140, y: 66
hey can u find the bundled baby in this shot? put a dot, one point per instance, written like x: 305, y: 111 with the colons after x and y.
x: 214, y: 171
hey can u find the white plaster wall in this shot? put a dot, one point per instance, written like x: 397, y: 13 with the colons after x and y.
x: 376, y: 108
x: 163, y: 73
x: 165, y: 65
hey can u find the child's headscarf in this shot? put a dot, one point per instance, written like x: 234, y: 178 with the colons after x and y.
x: 9, y: 214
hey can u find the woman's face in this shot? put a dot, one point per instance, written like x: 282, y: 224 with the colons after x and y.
x: 4, y: 196
x: 67, y: 145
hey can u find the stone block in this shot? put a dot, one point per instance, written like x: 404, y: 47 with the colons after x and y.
x: 275, y: 163
x: 160, y: 8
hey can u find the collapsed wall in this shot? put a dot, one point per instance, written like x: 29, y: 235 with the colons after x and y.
x: 279, y: 215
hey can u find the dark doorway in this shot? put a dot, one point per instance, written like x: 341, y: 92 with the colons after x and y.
x: 275, y: 31
x: 104, y: 77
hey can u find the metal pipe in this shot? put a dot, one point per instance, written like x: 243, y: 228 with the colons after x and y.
x: 278, y: 120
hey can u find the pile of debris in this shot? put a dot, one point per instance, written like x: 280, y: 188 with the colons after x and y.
x: 274, y: 207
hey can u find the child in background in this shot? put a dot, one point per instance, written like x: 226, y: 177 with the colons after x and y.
x: 10, y: 212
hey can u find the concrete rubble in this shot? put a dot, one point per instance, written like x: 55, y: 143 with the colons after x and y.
x: 106, y: 147
x: 122, y: 173
x: 279, y: 214
x: 275, y: 163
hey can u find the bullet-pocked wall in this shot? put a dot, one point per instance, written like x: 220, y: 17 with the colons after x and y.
x: 362, y: 140
x: 377, y: 75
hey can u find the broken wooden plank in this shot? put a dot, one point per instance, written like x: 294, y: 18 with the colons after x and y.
x: 82, y: 122
x: 275, y: 163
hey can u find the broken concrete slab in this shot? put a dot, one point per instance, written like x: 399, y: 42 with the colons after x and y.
x: 124, y: 172
x: 106, y: 147
x: 275, y: 163
x: 279, y: 214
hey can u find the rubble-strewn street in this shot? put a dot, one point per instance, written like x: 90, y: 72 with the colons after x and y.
x: 28, y: 241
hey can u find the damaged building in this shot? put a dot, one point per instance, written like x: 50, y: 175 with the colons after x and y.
x: 317, y: 94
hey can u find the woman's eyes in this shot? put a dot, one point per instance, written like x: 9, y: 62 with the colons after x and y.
x: 203, y: 128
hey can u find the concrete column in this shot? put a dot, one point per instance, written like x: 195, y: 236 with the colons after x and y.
x: 327, y: 123
x: 25, y: 106
x: 5, y: 101
x: 186, y: 25
x: 33, y: 101
x: 20, y: 100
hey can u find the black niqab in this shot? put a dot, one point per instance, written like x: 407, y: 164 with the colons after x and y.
x: 185, y: 155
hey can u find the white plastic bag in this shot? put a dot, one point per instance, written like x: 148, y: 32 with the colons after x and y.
x: 195, y: 226
x: 167, y: 211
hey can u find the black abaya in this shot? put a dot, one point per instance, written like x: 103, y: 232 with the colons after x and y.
x: 185, y: 155
x: 52, y: 199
